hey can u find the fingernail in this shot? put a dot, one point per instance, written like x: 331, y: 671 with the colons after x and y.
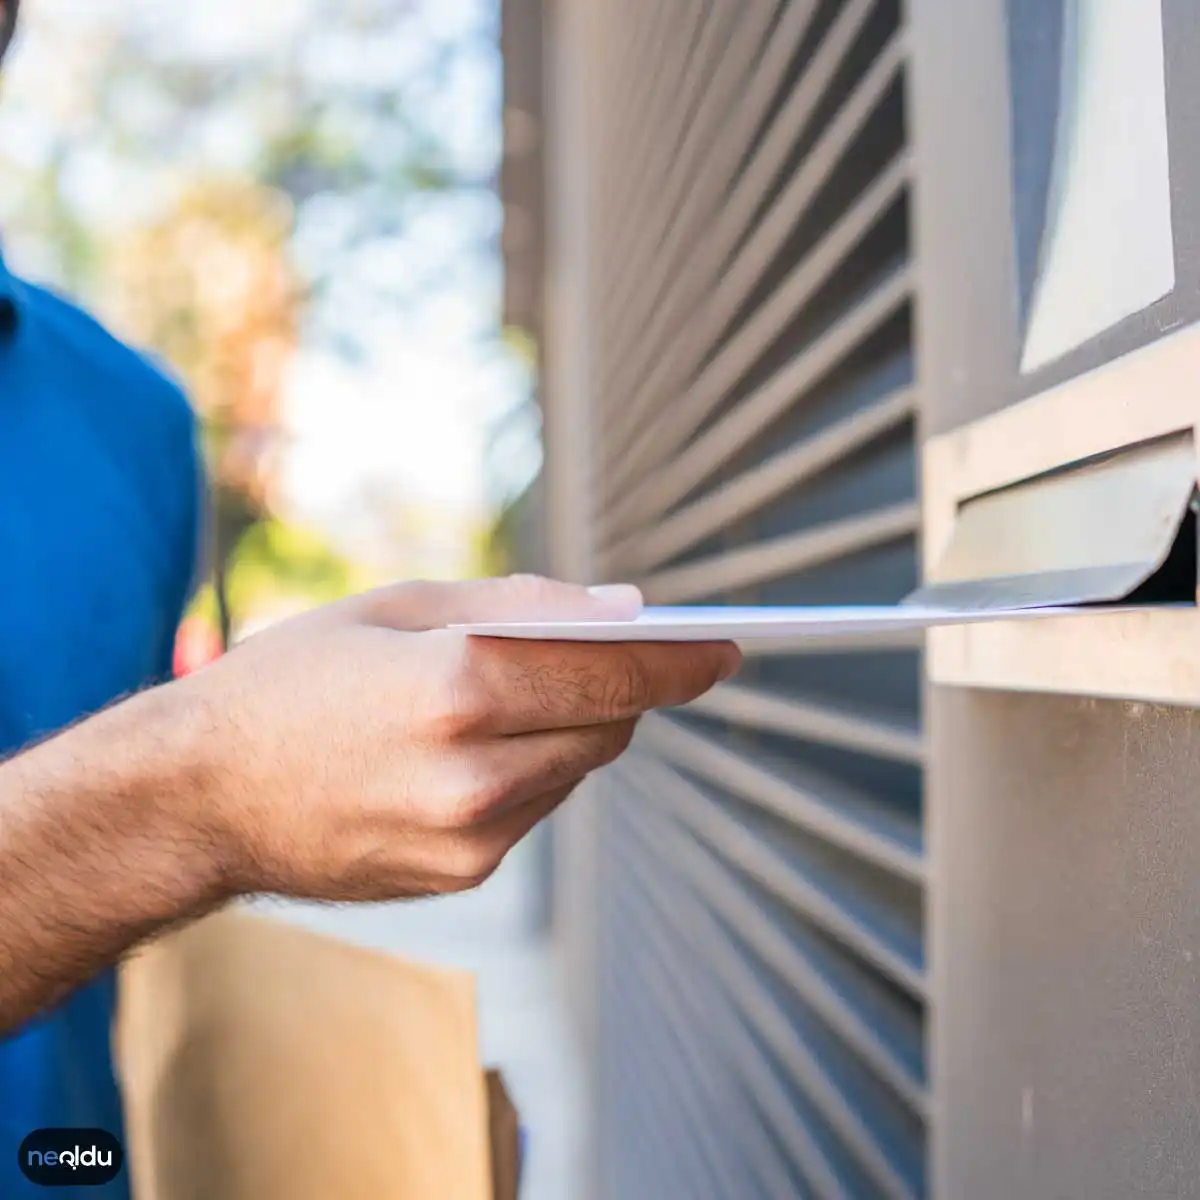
x: 623, y: 596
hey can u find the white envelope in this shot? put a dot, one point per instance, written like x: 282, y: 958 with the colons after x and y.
x: 747, y: 624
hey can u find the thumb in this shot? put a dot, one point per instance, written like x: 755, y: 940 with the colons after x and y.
x: 512, y: 598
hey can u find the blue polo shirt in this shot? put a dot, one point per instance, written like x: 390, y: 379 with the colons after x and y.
x: 99, y: 489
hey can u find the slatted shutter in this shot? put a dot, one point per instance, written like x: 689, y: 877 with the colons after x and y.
x: 756, y: 863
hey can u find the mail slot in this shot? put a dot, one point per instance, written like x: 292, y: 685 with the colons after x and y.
x: 1084, y: 494
x: 1118, y: 528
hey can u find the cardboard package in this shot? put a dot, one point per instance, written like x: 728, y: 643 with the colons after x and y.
x: 262, y: 1062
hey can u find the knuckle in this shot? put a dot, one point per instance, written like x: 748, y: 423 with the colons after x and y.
x: 460, y: 709
x: 527, y: 579
x: 627, y: 688
x: 470, y: 864
x: 452, y: 806
x: 528, y: 585
x: 480, y: 796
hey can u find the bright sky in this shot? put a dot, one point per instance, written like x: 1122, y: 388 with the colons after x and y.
x: 411, y: 420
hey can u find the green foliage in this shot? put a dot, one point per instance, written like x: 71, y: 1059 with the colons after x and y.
x: 275, y: 560
x: 204, y: 604
x: 496, y: 553
x: 521, y: 344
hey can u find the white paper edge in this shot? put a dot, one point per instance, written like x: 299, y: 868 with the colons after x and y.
x: 749, y: 624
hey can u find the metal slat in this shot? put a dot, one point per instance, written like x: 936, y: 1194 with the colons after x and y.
x: 630, y: 1151
x: 632, y: 1148
x: 699, y: 1140
x: 636, y: 1136
x: 782, y: 556
x: 667, y: 1099
x: 813, y: 898
x: 697, y: 257
x: 754, y: 181
x: 692, y: 102
x: 673, y: 1105
x: 703, y: 1060
x: 633, y: 305
x: 752, y: 261
x: 817, y: 267
x: 761, y: 484
x: 643, y: 160
x: 760, y: 1077
x: 638, y: 105
x: 755, y: 890
x: 848, y: 729
x: 865, y: 643
x: 639, y: 88
x: 732, y: 76
x: 747, y: 1064
x: 770, y: 233
x: 622, y: 59
x: 749, y: 263
x: 738, y: 428
x: 774, y: 1027
x: 793, y: 119
x: 824, y: 807
x: 796, y: 967
x: 642, y: 1089
x: 632, y: 87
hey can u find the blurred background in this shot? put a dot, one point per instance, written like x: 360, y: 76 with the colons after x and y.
x: 293, y: 203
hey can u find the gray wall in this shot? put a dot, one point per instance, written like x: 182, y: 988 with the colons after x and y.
x: 1066, y: 935
x: 1064, y: 834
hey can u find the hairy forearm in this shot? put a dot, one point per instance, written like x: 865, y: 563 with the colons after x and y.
x: 103, y: 842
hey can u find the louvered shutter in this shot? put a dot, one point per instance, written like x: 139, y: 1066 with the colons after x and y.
x: 756, y: 863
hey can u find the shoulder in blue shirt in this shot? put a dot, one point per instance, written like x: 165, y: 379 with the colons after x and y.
x: 99, y: 521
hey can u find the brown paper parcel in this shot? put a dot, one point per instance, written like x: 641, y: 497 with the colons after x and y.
x: 263, y: 1062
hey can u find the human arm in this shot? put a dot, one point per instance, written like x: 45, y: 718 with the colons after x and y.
x: 358, y: 753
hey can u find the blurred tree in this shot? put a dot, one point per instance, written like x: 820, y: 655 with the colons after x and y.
x: 356, y: 110
x: 275, y: 557
x: 210, y: 287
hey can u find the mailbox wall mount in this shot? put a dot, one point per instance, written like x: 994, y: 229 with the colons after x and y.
x: 1083, y: 494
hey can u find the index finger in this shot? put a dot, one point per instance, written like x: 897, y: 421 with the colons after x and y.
x: 532, y: 686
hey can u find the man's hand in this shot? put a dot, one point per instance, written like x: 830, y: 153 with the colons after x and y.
x: 360, y: 752
x: 362, y: 759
